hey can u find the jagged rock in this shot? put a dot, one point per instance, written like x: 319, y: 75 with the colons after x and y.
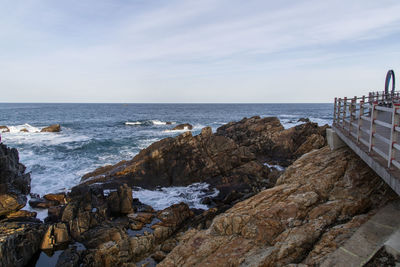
x: 21, y: 214
x: 60, y: 198
x: 69, y: 258
x: 41, y: 203
x: 52, y: 129
x: 19, y: 241
x: 184, y: 126
x: 268, y: 140
x: 187, y: 159
x: 55, y: 236
x: 159, y: 256
x: 4, y: 129
x: 285, y: 224
x: 121, y: 201
x: 14, y: 182
x: 24, y: 130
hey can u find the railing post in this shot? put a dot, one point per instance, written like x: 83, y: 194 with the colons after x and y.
x: 393, y: 134
x: 372, y: 127
x: 351, y: 111
x: 344, y: 112
x: 361, y: 113
x: 334, y: 111
x: 339, y: 111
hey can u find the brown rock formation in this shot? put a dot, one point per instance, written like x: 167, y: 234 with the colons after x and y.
x: 14, y: 182
x: 319, y: 200
x: 269, y: 141
x: 52, y: 129
x: 229, y: 160
x: 187, y: 159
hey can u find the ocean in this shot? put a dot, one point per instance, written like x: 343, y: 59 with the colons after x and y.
x: 94, y: 135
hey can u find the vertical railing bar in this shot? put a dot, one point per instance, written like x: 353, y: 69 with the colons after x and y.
x: 344, y: 112
x: 334, y: 111
x: 372, y: 127
x: 360, y: 120
x: 393, y: 134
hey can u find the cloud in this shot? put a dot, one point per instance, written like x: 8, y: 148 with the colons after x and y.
x: 179, y: 47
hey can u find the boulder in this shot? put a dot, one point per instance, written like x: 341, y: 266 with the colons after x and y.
x: 121, y: 201
x: 316, y: 204
x: 19, y: 241
x: 52, y: 128
x: 184, y: 126
x: 42, y: 203
x: 24, y: 130
x: 55, y: 236
x: 303, y: 120
x: 4, y: 129
x: 14, y: 182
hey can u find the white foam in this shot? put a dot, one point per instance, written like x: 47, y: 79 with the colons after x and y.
x: 277, y: 167
x: 149, y: 122
x: 26, y: 126
x: 133, y: 123
x: 166, y: 196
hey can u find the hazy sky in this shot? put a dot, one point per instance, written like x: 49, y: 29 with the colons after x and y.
x: 195, y: 51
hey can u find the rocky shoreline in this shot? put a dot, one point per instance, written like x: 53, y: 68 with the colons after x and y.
x: 262, y: 216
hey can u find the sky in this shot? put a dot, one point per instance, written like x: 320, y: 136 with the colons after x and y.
x: 200, y: 51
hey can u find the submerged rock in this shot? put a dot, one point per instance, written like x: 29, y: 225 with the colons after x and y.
x: 184, y: 126
x: 4, y: 129
x: 14, y: 182
x: 52, y: 128
x: 316, y: 202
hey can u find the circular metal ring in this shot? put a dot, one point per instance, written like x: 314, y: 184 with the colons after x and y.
x: 389, y: 76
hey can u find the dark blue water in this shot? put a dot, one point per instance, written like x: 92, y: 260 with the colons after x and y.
x: 94, y: 135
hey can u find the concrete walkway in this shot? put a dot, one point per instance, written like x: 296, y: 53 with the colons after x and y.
x: 382, y: 229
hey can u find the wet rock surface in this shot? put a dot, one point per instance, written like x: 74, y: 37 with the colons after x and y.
x: 316, y: 205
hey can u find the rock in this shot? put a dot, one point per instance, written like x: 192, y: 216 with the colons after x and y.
x: 52, y: 129
x: 303, y: 120
x: 184, y: 126
x: 41, y: 203
x: 121, y: 201
x: 168, y: 123
x: 14, y: 182
x: 55, y: 236
x: 295, y: 219
x: 4, y: 129
x: 54, y: 214
x: 60, y: 198
x: 188, y: 159
x: 24, y: 130
x: 268, y: 140
x: 69, y: 258
x: 158, y: 256
x: 19, y: 241
x: 21, y: 214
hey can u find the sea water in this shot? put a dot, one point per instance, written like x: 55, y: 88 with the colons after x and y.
x: 95, y: 135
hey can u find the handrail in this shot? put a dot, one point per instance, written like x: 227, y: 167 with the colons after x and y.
x: 373, y: 121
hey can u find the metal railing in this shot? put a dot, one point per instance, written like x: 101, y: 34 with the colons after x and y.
x: 373, y: 121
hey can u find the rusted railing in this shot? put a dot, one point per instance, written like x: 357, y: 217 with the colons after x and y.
x: 373, y: 121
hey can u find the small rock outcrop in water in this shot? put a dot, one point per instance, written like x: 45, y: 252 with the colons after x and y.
x: 184, y: 126
x: 319, y: 200
x: 52, y: 128
x: 4, y: 129
x: 14, y: 182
